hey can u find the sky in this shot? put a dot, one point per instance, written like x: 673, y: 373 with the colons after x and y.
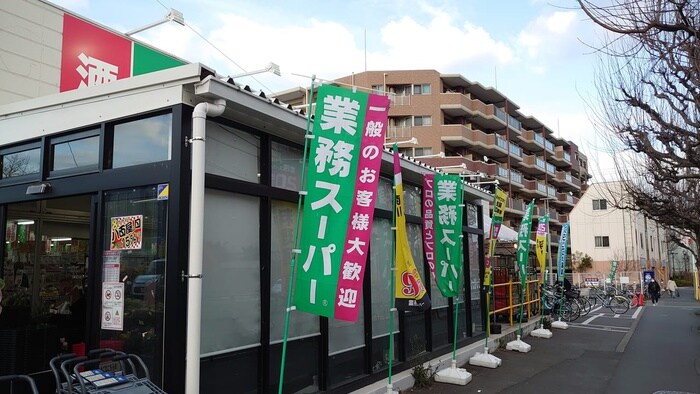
x: 536, y: 52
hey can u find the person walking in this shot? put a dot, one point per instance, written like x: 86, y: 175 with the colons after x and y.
x: 672, y: 288
x: 654, y: 291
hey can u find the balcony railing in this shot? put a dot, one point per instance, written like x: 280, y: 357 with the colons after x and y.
x: 539, y: 139
x: 516, y: 177
x: 501, y: 142
x: 551, y: 192
x: 516, y: 150
x: 541, y: 188
x: 540, y: 163
x: 569, y: 178
x: 500, y: 114
x: 549, y: 145
x: 567, y: 157
x: 399, y: 132
x: 514, y: 123
x: 502, y: 172
x: 550, y: 169
x: 399, y: 100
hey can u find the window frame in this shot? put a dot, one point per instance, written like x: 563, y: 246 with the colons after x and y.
x: 26, y: 146
x: 96, y: 131
x: 604, y: 239
x: 600, y: 204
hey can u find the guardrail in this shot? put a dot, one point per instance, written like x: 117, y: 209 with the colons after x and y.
x: 514, y: 306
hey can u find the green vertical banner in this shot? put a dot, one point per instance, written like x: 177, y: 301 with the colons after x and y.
x: 345, y: 156
x: 524, y: 242
x: 561, y: 262
x: 448, y: 229
x: 613, y: 269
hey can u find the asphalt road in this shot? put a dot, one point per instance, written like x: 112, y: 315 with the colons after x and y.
x: 655, y: 349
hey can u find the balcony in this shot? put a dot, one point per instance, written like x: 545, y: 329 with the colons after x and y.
x: 533, y: 189
x: 515, y: 205
x: 481, y: 114
x: 531, y: 165
x: 551, y: 170
x: 399, y: 100
x: 516, y: 153
x: 531, y: 141
x: 560, y: 156
x: 549, y: 146
x: 399, y: 131
x: 565, y: 199
x: 491, y: 145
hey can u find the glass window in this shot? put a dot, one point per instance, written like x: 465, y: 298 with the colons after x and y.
x: 282, y: 243
x: 475, y: 283
x: 142, y: 141
x: 472, y: 216
x: 421, y: 151
x: 78, y: 153
x: 422, y: 121
x: 380, y: 266
x: 421, y: 89
x: 600, y: 204
x: 22, y: 163
x: 603, y: 241
x: 286, y: 166
x: 377, y: 89
x: 232, y: 153
x: 344, y: 336
x: 412, y: 195
x: 231, y: 275
x: 137, y: 215
x: 385, y: 194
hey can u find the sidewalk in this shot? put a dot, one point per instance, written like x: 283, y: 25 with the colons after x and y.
x: 580, y: 360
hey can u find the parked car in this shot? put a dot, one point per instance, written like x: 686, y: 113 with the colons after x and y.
x: 154, y: 276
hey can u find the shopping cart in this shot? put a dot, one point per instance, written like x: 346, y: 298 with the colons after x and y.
x: 85, y: 374
x: 11, y: 379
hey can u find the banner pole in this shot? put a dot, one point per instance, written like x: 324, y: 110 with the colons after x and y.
x: 489, y: 289
x: 295, y: 250
x: 461, y: 265
x: 392, y: 280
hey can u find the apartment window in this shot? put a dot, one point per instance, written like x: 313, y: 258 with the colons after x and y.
x: 600, y: 205
x: 423, y: 151
x: 378, y: 89
x: 422, y: 121
x: 421, y: 89
x: 602, y: 241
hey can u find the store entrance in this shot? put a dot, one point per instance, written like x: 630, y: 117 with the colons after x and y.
x: 45, y: 274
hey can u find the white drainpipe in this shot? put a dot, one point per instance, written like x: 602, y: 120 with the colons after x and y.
x: 194, y: 283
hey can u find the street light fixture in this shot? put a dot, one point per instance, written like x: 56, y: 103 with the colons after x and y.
x: 172, y: 15
x: 413, y: 141
x: 271, y: 67
x: 440, y: 155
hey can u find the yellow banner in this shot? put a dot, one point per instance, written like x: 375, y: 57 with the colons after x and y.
x: 409, y: 292
x: 499, y: 209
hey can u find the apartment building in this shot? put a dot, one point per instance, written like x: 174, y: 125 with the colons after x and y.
x: 608, y: 234
x: 458, y: 125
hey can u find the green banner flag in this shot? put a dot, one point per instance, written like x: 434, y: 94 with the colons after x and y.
x: 524, y: 242
x: 341, y: 186
x: 448, y: 231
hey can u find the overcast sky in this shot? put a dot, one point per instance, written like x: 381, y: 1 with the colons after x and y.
x: 533, y: 51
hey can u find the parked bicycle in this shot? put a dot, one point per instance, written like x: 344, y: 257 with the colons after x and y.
x: 609, y: 299
x: 557, y: 305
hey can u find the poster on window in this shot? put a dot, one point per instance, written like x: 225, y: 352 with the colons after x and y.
x: 113, y: 306
x: 126, y: 232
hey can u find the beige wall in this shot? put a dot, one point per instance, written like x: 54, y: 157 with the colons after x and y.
x: 30, y: 49
x: 625, y: 229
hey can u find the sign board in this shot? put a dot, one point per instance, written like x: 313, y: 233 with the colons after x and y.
x: 624, y: 280
x: 111, y: 265
x: 92, y: 55
x: 113, y: 306
x: 592, y: 281
x: 648, y: 276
